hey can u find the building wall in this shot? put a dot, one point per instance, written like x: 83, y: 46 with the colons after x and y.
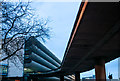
x: 16, y: 70
x: 15, y: 63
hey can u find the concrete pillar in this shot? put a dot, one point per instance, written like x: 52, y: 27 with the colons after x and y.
x: 25, y: 78
x: 100, y: 72
x: 77, y: 76
x: 61, y: 78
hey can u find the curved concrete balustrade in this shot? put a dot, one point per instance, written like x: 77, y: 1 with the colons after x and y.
x: 42, y: 61
x: 67, y: 78
x: 43, y: 55
x: 53, y: 78
x: 36, y: 66
x: 43, y: 48
x: 49, y: 79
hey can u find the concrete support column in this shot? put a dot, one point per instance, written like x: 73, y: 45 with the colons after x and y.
x: 100, y: 72
x: 26, y: 78
x: 61, y: 78
x: 77, y: 76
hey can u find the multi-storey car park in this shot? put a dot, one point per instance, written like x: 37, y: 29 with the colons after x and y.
x: 94, y: 41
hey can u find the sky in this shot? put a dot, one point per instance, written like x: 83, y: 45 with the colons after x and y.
x: 62, y: 16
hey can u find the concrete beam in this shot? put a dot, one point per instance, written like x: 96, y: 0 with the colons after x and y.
x: 112, y: 32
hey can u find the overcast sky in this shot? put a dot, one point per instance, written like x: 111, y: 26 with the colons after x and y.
x: 62, y: 16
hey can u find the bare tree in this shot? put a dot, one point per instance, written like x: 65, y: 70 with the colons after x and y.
x: 19, y: 23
